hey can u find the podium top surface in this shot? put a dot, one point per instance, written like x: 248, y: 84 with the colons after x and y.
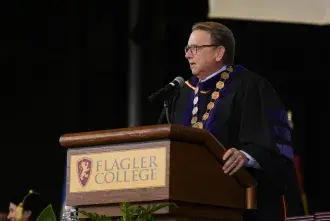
x: 136, y: 134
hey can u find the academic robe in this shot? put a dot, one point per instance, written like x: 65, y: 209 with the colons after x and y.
x: 249, y: 116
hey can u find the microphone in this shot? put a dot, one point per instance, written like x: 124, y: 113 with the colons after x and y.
x: 164, y: 92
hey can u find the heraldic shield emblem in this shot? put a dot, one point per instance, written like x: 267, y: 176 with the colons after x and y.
x: 84, y: 170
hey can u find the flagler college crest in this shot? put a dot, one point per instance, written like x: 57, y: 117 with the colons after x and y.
x: 84, y: 170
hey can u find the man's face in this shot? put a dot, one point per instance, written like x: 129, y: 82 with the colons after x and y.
x: 12, y: 212
x: 204, y: 62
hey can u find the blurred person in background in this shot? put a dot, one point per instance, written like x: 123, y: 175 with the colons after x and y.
x: 32, y: 207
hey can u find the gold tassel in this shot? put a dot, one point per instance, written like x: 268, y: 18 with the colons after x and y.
x: 19, y: 212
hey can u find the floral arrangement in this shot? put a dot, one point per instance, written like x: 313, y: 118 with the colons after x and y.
x: 129, y: 212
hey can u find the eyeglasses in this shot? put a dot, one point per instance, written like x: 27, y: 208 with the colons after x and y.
x: 194, y: 48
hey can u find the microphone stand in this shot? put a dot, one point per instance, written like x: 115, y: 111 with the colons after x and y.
x: 171, y: 95
x: 164, y: 112
x: 161, y: 116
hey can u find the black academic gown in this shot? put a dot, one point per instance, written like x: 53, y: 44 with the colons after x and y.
x: 249, y: 116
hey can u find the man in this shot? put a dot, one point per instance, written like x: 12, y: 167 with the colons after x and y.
x: 241, y: 109
x: 33, y: 206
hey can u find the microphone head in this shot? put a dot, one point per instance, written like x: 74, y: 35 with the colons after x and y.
x: 180, y: 80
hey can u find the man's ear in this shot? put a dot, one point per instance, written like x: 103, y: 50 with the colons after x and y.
x: 27, y: 213
x: 220, y: 52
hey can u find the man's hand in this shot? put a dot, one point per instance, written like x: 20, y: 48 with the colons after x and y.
x: 235, y: 159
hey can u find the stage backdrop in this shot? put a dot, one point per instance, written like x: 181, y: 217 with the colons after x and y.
x: 293, y: 11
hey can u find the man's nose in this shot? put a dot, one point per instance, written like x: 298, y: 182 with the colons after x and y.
x: 188, y: 54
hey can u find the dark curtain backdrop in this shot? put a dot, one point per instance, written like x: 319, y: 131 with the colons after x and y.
x: 64, y: 68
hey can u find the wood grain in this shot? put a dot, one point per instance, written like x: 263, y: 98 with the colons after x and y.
x: 196, y: 177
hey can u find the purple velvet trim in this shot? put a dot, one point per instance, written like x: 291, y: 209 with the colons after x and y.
x: 286, y: 150
x: 204, y: 86
x: 280, y: 131
x: 211, y: 120
x: 278, y: 115
x: 208, y: 125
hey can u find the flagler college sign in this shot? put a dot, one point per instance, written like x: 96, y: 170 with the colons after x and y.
x: 125, y: 169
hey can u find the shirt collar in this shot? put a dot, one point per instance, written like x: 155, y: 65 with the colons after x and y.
x: 214, y: 74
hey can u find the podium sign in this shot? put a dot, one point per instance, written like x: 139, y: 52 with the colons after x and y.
x: 127, y: 169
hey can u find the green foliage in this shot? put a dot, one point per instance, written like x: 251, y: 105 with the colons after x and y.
x: 47, y: 214
x: 96, y: 217
x: 129, y: 213
x: 132, y: 212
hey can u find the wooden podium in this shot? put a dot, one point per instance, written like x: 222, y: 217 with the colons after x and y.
x: 155, y: 164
